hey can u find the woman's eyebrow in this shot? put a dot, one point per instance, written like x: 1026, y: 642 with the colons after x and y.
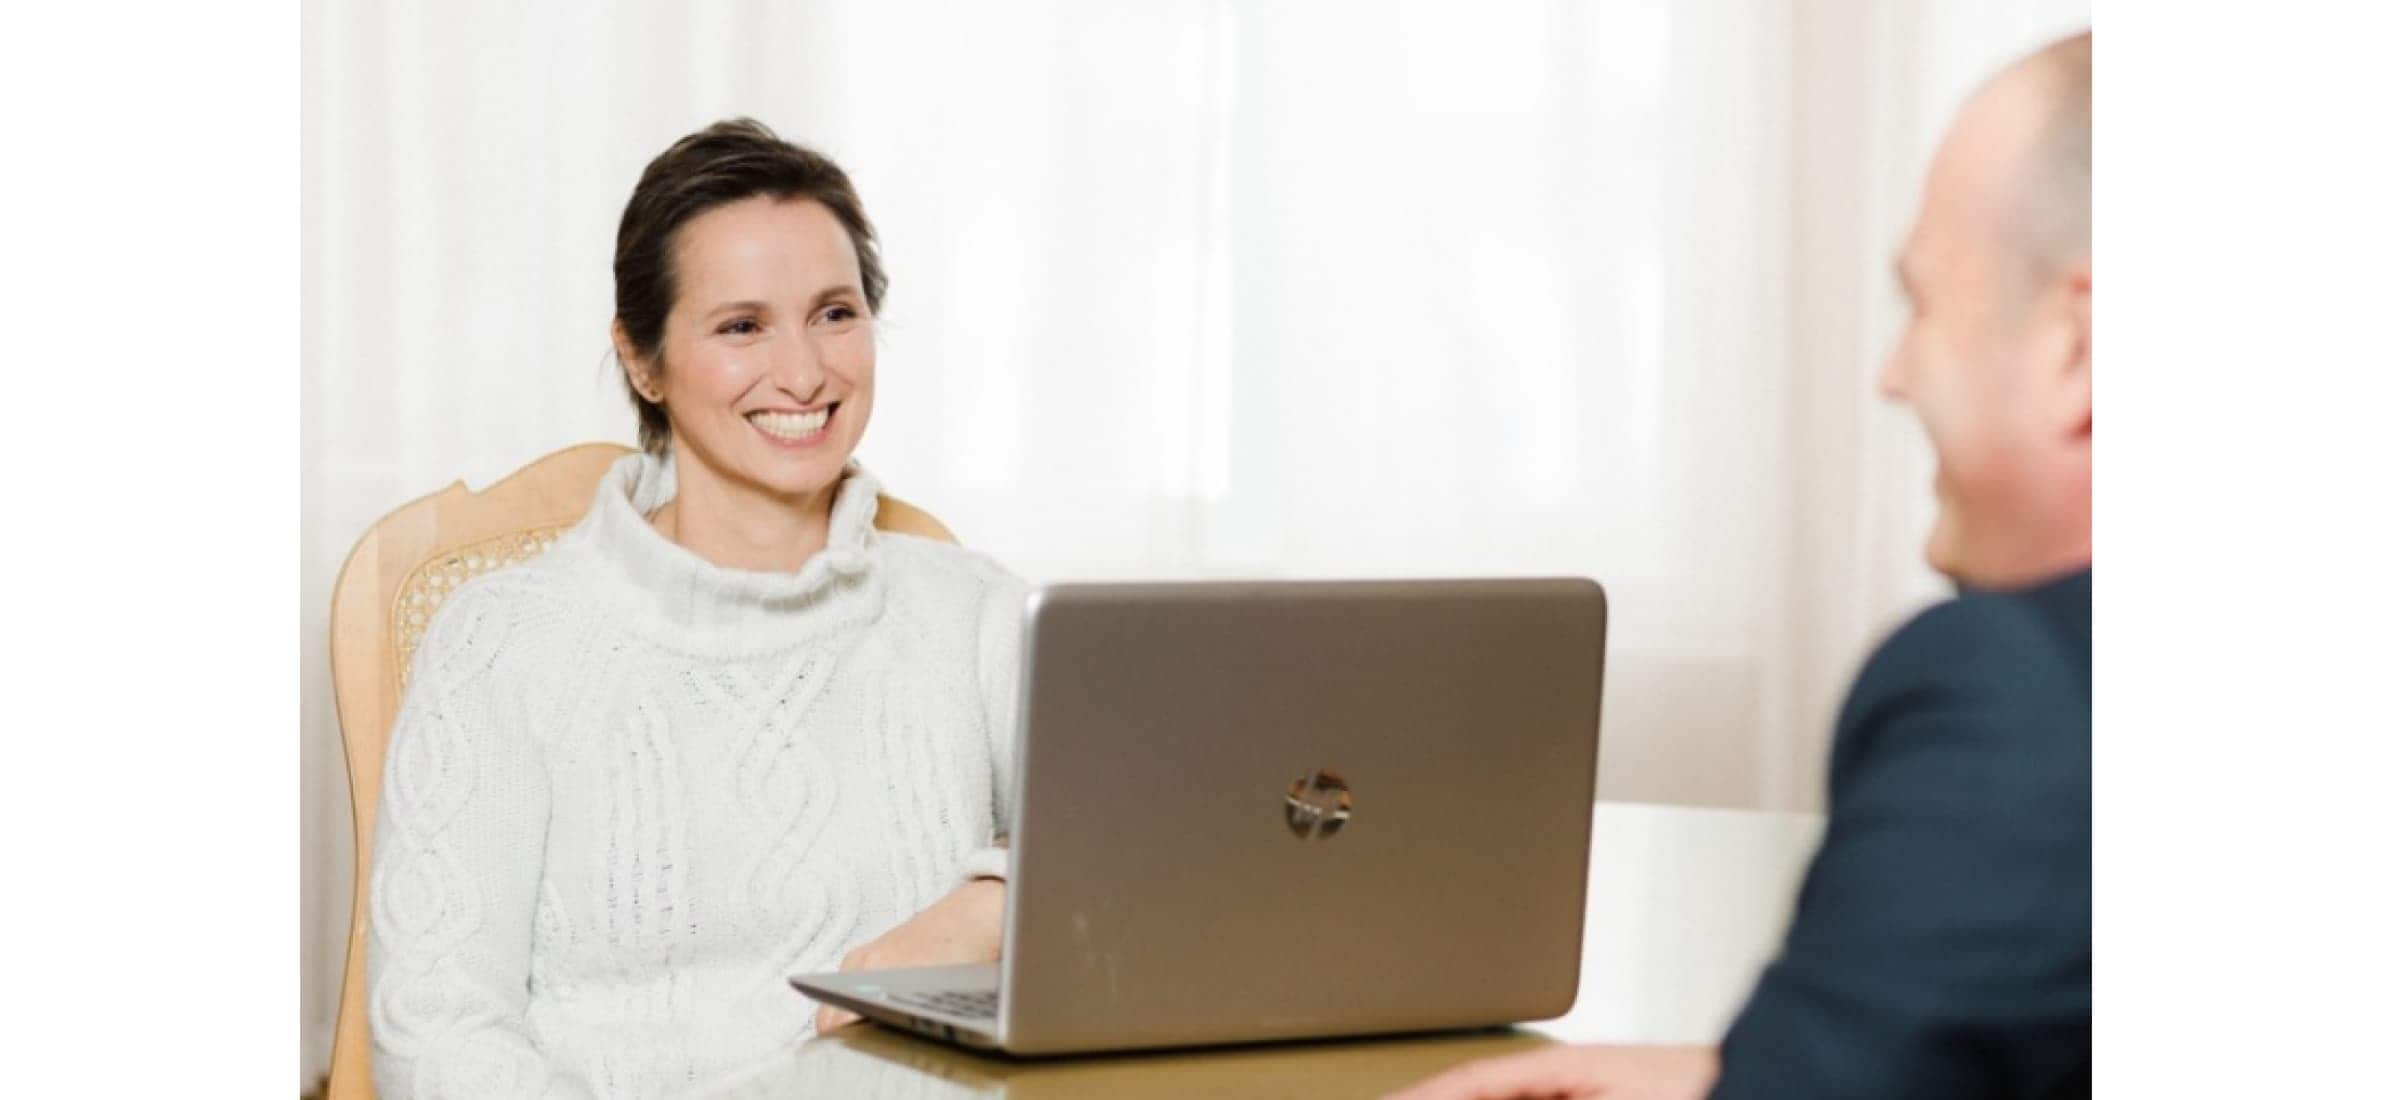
x: 751, y: 305
x: 742, y: 306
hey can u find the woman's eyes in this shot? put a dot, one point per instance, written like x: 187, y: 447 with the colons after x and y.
x: 749, y: 326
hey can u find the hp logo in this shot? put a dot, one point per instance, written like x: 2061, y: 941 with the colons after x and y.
x: 1319, y: 805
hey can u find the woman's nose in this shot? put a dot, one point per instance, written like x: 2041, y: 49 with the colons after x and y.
x: 798, y: 369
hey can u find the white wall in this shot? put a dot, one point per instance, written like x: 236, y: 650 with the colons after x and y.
x: 1212, y: 287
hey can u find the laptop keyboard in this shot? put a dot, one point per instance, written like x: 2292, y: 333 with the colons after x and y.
x: 974, y: 1004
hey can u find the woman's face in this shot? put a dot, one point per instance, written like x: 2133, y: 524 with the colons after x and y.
x: 768, y: 351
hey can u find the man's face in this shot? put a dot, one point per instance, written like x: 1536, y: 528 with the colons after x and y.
x: 1984, y: 360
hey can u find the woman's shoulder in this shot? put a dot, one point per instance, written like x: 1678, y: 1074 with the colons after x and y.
x: 933, y: 569
x: 500, y: 613
x: 939, y: 555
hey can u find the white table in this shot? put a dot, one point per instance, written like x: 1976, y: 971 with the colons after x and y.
x: 1683, y: 908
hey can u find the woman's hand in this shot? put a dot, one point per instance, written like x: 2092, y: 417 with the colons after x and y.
x: 966, y: 926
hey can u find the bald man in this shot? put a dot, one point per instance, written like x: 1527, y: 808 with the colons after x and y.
x: 1942, y: 944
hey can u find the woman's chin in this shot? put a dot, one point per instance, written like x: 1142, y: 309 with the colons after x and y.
x: 802, y: 477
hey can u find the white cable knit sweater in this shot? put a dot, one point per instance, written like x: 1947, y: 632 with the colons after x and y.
x: 630, y: 793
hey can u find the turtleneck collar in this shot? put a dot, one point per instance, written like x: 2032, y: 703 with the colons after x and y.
x: 699, y: 606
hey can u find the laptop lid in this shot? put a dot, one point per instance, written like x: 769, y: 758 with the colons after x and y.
x: 1270, y: 810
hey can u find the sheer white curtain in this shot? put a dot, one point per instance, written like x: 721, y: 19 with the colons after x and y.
x: 1208, y: 287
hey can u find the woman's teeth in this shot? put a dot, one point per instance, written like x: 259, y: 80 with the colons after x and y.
x: 791, y: 426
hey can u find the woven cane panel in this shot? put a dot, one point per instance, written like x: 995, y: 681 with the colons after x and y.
x: 432, y: 582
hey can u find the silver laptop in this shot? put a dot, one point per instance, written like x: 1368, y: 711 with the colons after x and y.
x: 1257, y: 811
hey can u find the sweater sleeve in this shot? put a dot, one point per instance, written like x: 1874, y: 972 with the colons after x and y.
x: 1000, y: 687
x: 457, y: 858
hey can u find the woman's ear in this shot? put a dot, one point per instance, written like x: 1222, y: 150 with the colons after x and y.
x: 635, y: 369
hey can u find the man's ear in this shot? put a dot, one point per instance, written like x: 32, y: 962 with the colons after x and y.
x: 2074, y: 391
x: 635, y: 369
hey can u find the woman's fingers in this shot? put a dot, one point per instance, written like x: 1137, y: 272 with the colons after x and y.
x: 828, y: 1017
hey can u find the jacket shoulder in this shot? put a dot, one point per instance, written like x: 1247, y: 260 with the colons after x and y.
x: 2008, y: 665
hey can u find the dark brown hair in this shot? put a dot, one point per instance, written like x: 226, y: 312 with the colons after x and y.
x: 731, y: 160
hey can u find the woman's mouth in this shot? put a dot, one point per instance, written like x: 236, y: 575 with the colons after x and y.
x: 798, y: 429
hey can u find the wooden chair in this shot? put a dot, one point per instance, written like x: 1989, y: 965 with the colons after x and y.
x: 398, y: 574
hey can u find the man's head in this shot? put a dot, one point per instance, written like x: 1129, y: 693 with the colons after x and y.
x: 1997, y: 359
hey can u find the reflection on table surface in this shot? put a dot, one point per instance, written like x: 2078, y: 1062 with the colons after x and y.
x: 1683, y: 908
x: 870, y: 1061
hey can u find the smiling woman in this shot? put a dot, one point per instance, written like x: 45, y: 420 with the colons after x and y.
x: 725, y: 730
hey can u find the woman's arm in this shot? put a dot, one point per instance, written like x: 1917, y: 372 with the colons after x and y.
x: 967, y: 925
x: 457, y: 857
x: 999, y: 671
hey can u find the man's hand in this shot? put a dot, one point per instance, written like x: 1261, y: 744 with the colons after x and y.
x: 966, y: 926
x: 1578, y: 1073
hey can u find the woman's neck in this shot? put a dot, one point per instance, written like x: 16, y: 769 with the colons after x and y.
x: 738, y: 527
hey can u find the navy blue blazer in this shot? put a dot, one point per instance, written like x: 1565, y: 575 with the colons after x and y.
x: 1942, y: 945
